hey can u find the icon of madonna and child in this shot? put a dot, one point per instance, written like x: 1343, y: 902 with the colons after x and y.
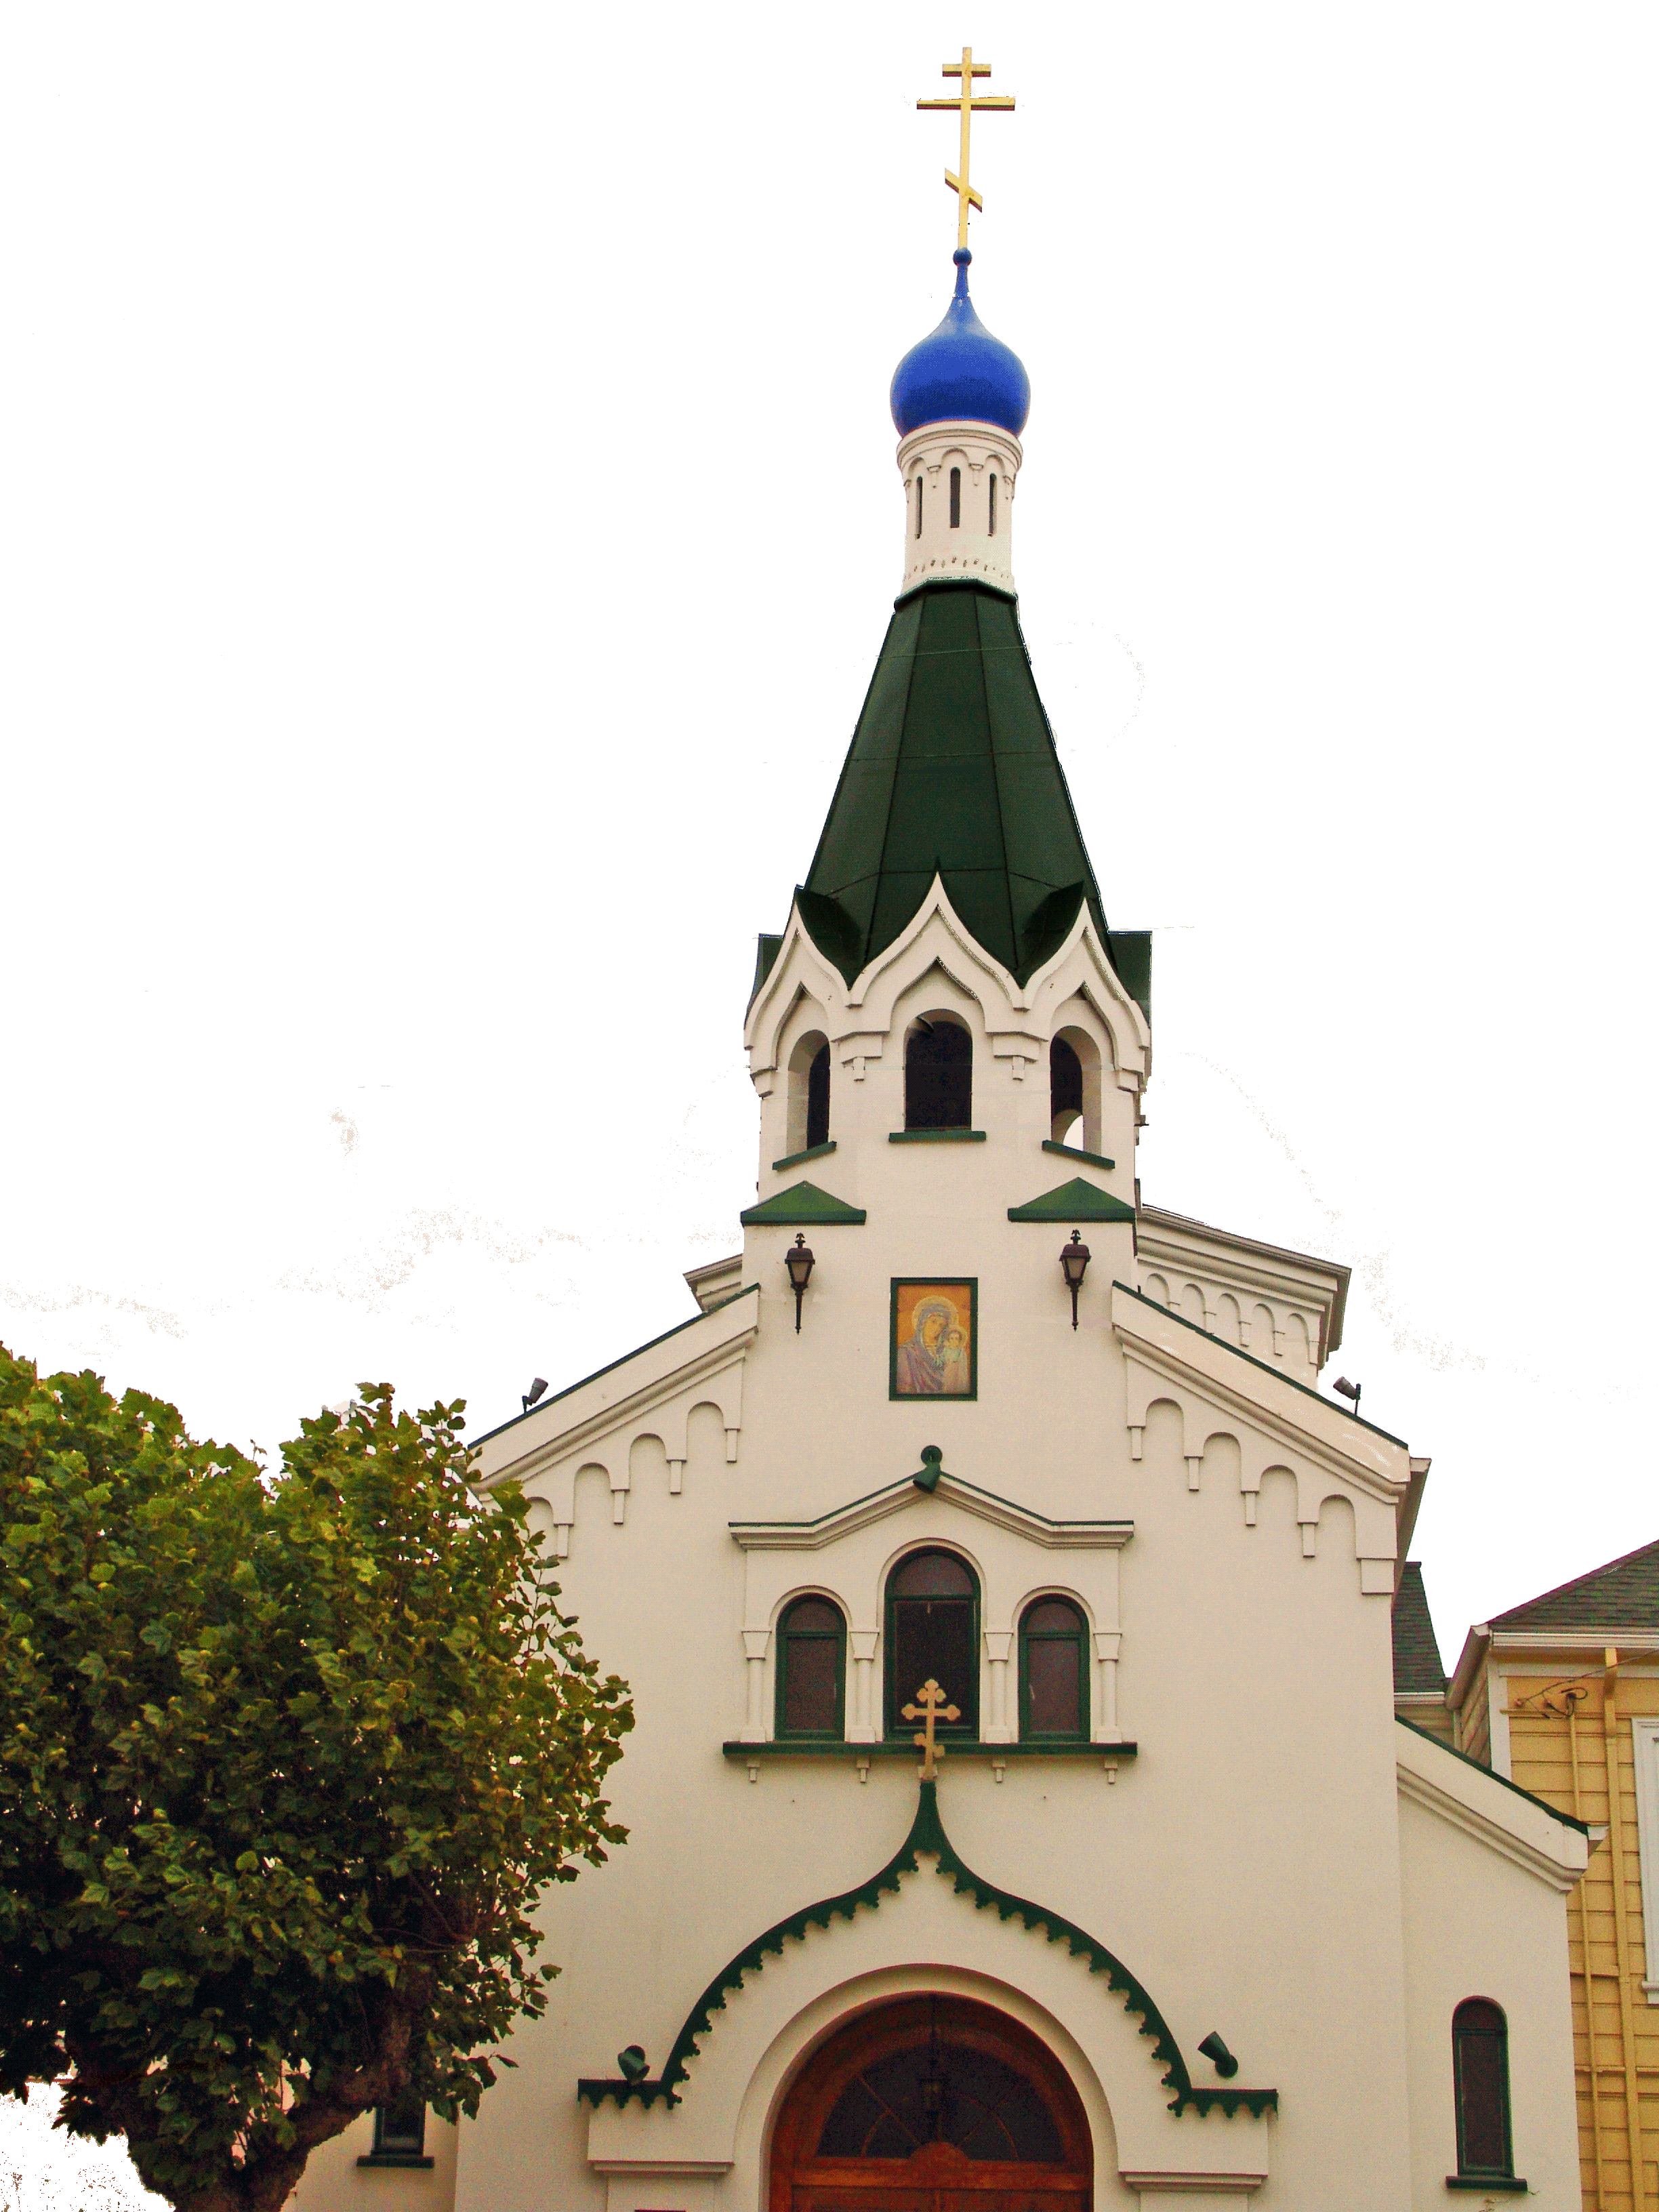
x: 934, y: 1339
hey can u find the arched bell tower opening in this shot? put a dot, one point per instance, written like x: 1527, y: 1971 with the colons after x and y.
x: 938, y: 1072
x: 1074, y: 1089
x: 808, y: 1124
x: 934, y: 2102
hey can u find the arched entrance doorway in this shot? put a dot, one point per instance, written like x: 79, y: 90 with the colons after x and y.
x: 932, y: 2105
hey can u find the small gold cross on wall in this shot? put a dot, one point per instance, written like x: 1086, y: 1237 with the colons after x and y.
x: 967, y: 69
x: 929, y: 1708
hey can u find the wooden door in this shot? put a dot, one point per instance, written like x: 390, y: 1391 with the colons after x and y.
x: 932, y: 2105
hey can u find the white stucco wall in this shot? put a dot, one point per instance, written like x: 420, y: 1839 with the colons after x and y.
x: 1477, y: 1925
x: 1245, y: 1865
x: 334, y: 2182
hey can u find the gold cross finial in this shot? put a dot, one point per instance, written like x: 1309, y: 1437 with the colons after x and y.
x: 967, y: 69
x: 930, y: 1706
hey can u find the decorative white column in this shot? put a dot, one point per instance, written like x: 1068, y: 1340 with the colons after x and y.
x: 1107, y: 1641
x: 861, y: 1727
x: 755, y: 1641
x: 999, y: 1643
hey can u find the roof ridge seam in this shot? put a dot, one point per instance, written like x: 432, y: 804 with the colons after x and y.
x: 1014, y: 946
x: 869, y: 932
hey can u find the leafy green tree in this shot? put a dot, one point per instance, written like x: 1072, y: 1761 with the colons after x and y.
x: 286, y: 1763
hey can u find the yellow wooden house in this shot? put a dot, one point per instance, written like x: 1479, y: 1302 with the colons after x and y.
x: 1561, y: 1696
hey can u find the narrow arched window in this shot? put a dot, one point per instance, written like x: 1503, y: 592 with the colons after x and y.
x: 932, y: 1635
x: 938, y: 1076
x: 1074, y: 1089
x: 1481, y: 2074
x: 817, y: 1099
x: 1065, y: 1093
x: 956, y: 499
x: 918, y: 506
x: 811, y: 1670
x: 1054, y: 1672
x: 994, y: 505
x: 807, y: 1108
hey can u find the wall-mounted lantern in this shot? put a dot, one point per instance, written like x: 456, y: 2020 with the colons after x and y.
x: 1074, y: 1261
x: 799, y: 1260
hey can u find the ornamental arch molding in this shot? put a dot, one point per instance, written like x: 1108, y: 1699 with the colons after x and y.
x: 927, y: 1923
x: 1200, y: 1425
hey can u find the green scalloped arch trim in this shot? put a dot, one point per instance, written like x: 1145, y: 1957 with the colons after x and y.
x: 928, y: 1835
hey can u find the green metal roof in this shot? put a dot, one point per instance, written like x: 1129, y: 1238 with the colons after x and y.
x: 1076, y: 1200
x: 952, y: 770
x: 802, y: 1205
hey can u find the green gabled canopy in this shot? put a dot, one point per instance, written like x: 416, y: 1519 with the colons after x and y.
x: 1074, y: 1202
x: 952, y: 769
x: 803, y: 1206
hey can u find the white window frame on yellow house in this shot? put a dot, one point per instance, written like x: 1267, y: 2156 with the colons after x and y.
x: 1644, y: 1752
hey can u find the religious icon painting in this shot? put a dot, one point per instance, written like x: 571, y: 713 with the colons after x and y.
x: 934, y: 1351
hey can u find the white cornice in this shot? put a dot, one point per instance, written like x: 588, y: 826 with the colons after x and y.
x: 1516, y: 1825
x: 607, y: 1401
x: 984, y: 1504
x: 859, y: 1017
x: 1297, y: 1417
x: 1267, y: 1269
x: 1522, y: 1641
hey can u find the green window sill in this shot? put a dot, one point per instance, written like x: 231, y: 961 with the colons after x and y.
x: 795, y: 1159
x: 1505, y: 2185
x: 407, y: 2158
x: 1072, y: 1153
x: 820, y: 1748
x: 936, y: 1137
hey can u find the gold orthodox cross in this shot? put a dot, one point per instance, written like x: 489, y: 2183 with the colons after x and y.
x: 930, y: 1706
x: 967, y: 69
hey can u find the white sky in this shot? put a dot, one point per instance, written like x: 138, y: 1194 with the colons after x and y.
x: 448, y: 522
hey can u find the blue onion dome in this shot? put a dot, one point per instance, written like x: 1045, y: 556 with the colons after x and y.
x: 959, y: 373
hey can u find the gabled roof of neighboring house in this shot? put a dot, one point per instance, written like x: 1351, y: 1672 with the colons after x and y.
x: 1624, y: 1593
x: 1416, y: 1668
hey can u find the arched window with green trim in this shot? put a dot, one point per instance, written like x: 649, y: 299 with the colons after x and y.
x: 811, y: 1670
x: 1054, y: 1673
x: 932, y: 1635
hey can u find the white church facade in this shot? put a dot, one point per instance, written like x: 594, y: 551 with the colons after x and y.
x: 1184, y: 1918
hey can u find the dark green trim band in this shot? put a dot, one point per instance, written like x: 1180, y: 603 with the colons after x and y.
x: 1506, y: 2184
x: 1492, y: 1775
x: 798, y: 1159
x: 1074, y: 1152
x: 609, y: 1367
x: 1074, y: 1201
x: 928, y: 1835
x: 804, y: 1748
x: 1249, y: 1358
x: 956, y: 583
x: 936, y: 1137
x: 803, y: 1206
x: 409, y: 2157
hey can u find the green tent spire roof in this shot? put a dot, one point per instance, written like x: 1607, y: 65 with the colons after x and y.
x: 951, y: 771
